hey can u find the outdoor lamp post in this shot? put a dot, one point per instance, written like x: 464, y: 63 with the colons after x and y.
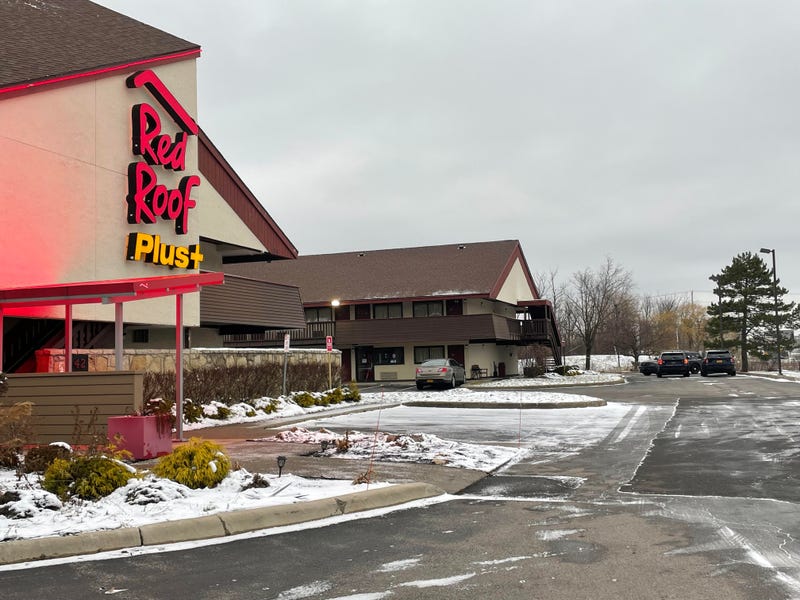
x: 329, y: 342
x: 775, y: 292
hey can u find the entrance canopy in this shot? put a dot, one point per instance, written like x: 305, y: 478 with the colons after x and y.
x: 117, y: 292
x: 106, y: 292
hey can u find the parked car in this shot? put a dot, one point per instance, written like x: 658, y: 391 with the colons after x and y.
x: 648, y: 367
x: 718, y: 361
x: 673, y: 363
x: 444, y: 372
x: 695, y: 361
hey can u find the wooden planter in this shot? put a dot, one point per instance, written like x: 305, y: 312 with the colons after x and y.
x: 143, y: 436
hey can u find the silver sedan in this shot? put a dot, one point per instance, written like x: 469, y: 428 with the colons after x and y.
x: 440, y: 371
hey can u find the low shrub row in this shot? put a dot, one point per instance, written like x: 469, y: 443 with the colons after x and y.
x: 196, y: 464
x: 231, y: 385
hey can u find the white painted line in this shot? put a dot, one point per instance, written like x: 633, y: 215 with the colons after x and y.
x: 624, y: 433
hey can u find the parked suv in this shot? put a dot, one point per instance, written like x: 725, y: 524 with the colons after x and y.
x: 695, y: 361
x: 718, y: 361
x: 673, y: 363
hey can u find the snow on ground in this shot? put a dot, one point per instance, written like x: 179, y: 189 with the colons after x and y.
x: 27, y: 511
x: 516, y: 394
x: 553, y: 379
x: 151, y: 500
x: 418, y: 448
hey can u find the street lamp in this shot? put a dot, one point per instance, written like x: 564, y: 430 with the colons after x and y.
x: 329, y: 341
x: 775, y: 293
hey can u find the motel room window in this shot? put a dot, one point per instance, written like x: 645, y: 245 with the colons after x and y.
x: 141, y: 336
x: 454, y: 307
x: 388, y: 311
x: 363, y: 311
x: 423, y: 353
x: 428, y: 309
x: 323, y: 314
x: 389, y: 356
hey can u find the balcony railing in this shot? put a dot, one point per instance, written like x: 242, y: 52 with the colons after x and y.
x: 313, y: 333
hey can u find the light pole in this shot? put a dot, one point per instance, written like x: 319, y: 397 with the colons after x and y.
x: 775, y: 293
x: 329, y: 347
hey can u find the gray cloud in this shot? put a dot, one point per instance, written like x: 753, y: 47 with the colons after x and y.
x: 662, y: 134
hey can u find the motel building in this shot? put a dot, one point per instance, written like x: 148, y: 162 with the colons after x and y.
x: 120, y: 217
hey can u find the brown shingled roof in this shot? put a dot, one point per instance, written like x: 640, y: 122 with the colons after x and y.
x: 456, y: 270
x: 46, y: 39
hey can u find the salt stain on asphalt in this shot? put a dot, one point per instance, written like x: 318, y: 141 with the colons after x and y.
x: 305, y: 591
x: 399, y: 565
x: 556, y: 534
x: 444, y: 581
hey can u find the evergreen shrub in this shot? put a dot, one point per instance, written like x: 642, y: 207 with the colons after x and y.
x: 196, y: 464
x: 86, y: 477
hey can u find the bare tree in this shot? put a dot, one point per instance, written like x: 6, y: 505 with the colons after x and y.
x: 590, y: 301
x: 550, y: 288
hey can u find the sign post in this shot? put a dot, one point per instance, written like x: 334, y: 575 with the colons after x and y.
x: 285, y: 361
x: 329, y: 349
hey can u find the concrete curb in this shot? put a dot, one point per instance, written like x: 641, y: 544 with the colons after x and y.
x: 515, y: 405
x: 212, y: 526
x: 532, y: 388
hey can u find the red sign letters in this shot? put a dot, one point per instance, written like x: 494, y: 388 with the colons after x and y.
x: 147, y: 198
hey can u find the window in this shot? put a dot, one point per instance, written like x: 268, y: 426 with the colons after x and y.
x: 454, y: 307
x: 362, y: 311
x: 428, y: 309
x: 388, y: 311
x: 323, y: 314
x: 423, y: 353
x: 389, y: 356
x: 141, y: 336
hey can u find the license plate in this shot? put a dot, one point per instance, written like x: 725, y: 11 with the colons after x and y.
x: 718, y: 361
x: 429, y: 381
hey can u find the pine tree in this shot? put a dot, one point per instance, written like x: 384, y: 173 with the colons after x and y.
x: 746, y: 308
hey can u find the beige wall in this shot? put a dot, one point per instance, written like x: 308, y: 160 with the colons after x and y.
x: 63, y: 184
x: 516, y: 287
x: 483, y: 355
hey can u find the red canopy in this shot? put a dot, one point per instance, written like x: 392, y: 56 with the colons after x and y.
x: 115, y: 292
x: 107, y: 292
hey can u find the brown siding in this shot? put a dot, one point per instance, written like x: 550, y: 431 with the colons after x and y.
x: 62, y: 400
x: 243, y: 301
x: 461, y: 328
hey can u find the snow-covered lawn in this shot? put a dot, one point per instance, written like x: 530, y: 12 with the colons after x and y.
x: 552, y: 380
x: 418, y: 448
x: 27, y: 511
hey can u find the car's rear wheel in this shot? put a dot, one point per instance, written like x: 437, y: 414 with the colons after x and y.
x: 694, y: 369
x: 646, y: 374
x: 658, y: 374
x: 686, y: 374
x: 732, y: 373
x: 420, y: 385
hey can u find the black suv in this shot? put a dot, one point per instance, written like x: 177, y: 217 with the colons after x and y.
x: 673, y: 363
x: 718, y: 361
x: 695, y: 361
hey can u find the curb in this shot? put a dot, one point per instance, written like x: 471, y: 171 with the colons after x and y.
x: 213, y: 526
x: 515, y: 405
x: 531, y: 388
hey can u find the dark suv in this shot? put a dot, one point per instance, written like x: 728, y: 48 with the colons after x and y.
x: 695, y: 361
x: 718, y: 361
x: 673, y: 363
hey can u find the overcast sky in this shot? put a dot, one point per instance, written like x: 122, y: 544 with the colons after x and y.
x: 665, y: 135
